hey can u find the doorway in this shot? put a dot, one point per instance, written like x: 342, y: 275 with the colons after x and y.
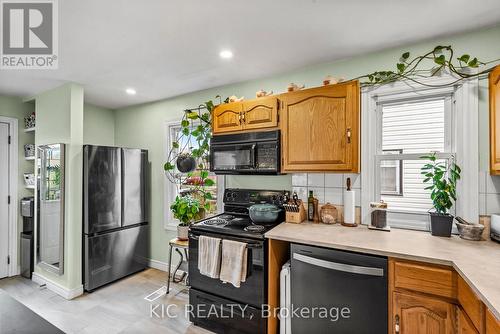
x: 4, y: 199
x: 8, y: 197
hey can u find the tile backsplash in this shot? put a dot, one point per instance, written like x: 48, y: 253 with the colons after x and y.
x: 326, y: 187
x: 330, y: 188
x: 489, y: 193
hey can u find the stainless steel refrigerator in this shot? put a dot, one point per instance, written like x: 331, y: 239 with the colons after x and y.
x: 115, y: 213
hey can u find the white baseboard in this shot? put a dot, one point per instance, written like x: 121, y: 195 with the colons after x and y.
x: 163, y: 267
x: 158, y: 265
x: 60, y: 290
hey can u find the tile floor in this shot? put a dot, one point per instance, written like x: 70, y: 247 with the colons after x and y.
x: 117, y: 308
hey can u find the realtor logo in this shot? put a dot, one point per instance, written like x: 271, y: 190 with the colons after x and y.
x: 29, y: 34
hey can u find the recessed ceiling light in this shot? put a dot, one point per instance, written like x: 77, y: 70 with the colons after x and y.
x: 226, y: 54
x: 130, y: 91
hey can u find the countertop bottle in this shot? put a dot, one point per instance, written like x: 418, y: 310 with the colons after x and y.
x: 310, y: 206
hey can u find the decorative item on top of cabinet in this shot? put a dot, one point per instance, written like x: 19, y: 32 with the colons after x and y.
x: 331, y: 80
x: 261, y: 113
x: 418, y: 314
x: 495, y: 121
x: 234, y: 98
x: 293, y: 87
x: 263, y: 93
x: 320, y: 129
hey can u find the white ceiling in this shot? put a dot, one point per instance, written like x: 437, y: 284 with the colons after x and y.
x: 164, y: 48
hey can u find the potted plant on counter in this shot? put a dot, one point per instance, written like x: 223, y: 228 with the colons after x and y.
x: 442, y: 178
x: 186, y: 209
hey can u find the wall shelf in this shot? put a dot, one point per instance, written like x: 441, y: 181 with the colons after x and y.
x: 29, y: 158
x: 30, y: 187
x: 29, y: 130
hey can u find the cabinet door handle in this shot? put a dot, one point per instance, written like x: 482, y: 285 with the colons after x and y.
x: 349, y: 133
x: 239, y: 118
x: 243, y: 115
x: 396, y: 324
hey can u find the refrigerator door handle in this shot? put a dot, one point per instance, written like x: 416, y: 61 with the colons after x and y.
x: 348, y: 268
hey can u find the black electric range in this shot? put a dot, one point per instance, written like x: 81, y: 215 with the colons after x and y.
x: 211, y: 293
x: 235, y: 219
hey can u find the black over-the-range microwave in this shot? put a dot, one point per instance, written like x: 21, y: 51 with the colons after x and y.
x: 246, y: 153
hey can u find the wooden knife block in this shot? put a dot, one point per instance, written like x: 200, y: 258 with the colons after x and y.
x: 297, y: 217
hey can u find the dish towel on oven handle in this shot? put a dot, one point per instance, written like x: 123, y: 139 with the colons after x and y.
x: 209, y: 256
x: 234, y: 262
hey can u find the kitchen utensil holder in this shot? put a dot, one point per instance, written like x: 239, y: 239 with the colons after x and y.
x: 297, y: 217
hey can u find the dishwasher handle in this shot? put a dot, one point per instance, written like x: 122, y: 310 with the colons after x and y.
x: 348, y: 268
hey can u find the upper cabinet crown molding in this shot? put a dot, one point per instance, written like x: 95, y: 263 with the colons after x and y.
x: 494, y: 80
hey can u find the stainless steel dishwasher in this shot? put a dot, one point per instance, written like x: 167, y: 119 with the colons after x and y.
x: 337, y: 291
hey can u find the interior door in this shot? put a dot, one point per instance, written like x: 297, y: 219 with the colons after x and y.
x: 4, y: 193
x: 227, y: 118
x: 260, y: 113
x: 102, y: 188
x: 320, y: 129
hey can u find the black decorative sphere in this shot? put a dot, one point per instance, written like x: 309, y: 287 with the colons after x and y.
x: 186, y: 163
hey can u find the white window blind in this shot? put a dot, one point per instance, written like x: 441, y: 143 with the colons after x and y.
x: 408, y: 128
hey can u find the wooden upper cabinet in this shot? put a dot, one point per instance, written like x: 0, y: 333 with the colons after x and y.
x: 415, y: 314
x: 227, y: 117
x: 495, y: 121
x: 320, y: 129
x: 260, y: 113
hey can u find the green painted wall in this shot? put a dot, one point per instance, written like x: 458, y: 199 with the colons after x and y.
x: 98, y: 125
x: 143, y: 126
x: 60, y: 120
x: 13, y: 107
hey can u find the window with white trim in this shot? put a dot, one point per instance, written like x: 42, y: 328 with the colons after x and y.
x: 401, y: 123
x: 172, y: 190
x: 409, y: 129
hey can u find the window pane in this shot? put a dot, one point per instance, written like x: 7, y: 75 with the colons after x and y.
x: 413, y: 196
x: 414, y: 127
x: 189, y: 184
x: 391, y: 175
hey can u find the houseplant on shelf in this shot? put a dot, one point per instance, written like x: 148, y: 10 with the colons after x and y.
x: 187, y: 209
x: 442, y: 178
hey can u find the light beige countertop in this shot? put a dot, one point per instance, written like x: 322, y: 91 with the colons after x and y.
x: 478, y: 262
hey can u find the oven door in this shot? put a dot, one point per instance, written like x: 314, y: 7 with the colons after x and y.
x: 252, y: 291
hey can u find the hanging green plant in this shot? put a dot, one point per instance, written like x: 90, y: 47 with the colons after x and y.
x: 188, y: 158
x: 439, y: 60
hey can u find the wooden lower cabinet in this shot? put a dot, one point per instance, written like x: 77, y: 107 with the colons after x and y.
x: 416, y: 314
x: 465, y: 325
x: 492, y: 324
